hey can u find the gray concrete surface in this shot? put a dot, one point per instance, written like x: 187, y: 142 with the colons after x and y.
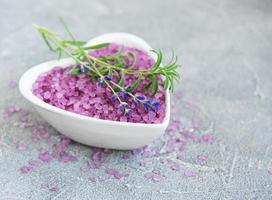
x: 225, y: 48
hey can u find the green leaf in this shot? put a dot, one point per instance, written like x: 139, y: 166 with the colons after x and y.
x: 121, y: 82
x: 171, y: 87
x: 158, y: 61
x: 154, y: 84
x: 104, y: 71
x: 110, y: 72
x: 135, y: 84
x: 66, y: 28
x: 76, y: 43
x: 47, y: 42
x: 133, y: 56
x: 166, y: 83
x: 146, y: 87
x: 74, y: 71
x: 97, y: 46
x: 173, y: 56
x: 59, y: 53
x: 93, y: 76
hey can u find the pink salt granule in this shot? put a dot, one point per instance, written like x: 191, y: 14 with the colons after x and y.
x: 45, y: 156
x: 79, y: 94
x: 201, y: 159
x: 125, y: 156
x: 156, y: 175
x: 190, y: 173
x: 53, y: 189
x: 116, y: 174
x: 26, y: 169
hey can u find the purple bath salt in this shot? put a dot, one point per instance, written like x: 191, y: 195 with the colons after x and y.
x: 45, y: 156
x: 80, y: 94
x: 26, y: 169
x: 190, y: 173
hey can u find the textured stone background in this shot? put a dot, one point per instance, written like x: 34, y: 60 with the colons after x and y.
x: 225, y: 49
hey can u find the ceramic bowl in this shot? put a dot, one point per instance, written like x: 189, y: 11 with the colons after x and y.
x: 88, y: 130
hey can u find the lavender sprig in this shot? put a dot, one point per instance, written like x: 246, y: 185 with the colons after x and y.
x: 103, y: 69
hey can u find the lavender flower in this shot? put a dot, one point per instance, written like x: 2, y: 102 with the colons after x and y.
x: 82, y: 69
x: 138, y: 98
x: 100, y: 82
x: 155, y: 106
x: 146, y: 104
x: 122, y: 95
x: 107, y: 77
x: 125, y: 109
x: 113, y: 97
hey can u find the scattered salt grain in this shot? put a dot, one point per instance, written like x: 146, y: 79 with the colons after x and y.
x: 26, y: 169
x: 190, y: 173
x: 148, y: 175
x: 45, y: 156
x: 126, y: 156
x: 136, y: 151
x: 207, y: 138
x: 156, y: 171
x: 175, y: 167
x: 54, y: 189
x: 116, y: 174
x: 201, y: 159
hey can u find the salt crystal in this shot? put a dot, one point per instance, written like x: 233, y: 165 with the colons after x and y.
x: 148, y: 175
x: 26, y: 169
x: 190, y: 173
x: 21, y: 146
x: 201, y: 159
x: 33, y: 163
x: 175, y: 167
x: 47, y: 95
x: 207, y: 138
x: 136, y: 151
x: 45, y: 156
x: 125, y: 156
x: 156, y: 171
x: 54, y: 189
x: 156, y: 178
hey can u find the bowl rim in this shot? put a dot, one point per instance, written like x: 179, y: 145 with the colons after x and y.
x: 31, y: 75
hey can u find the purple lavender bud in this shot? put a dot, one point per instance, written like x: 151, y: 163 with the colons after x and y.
x: 147, y: 103
x: 113, y: 97
x: 128, y: 88
x: 138, y: 98
x: 125, y: 109
x: 82, y: 69
x: 107, y: 77
x: 155, y: 106
x: 122, y: 95
x: 128, y: 112
x: 136, y: 101
x: 123, y: 106
x: 100, y: 82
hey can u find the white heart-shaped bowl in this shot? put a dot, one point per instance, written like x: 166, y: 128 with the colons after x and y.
x: 88, y: 130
